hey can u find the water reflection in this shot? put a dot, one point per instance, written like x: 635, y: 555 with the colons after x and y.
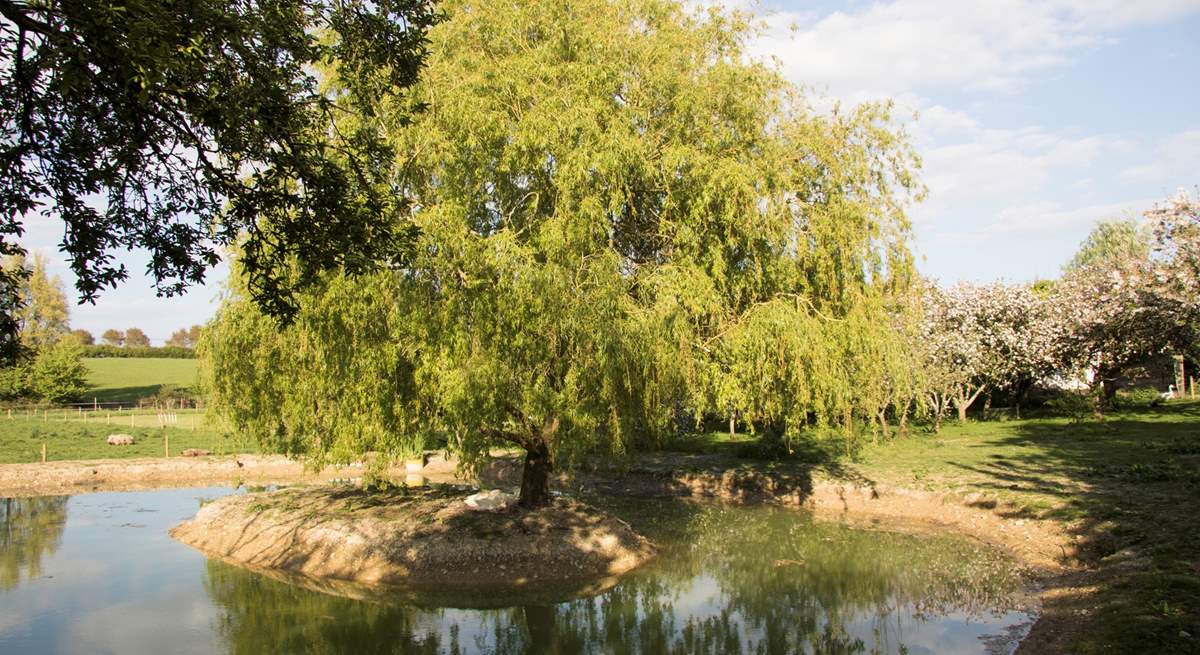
x: 30, y: 528
x: 98, y: 574
x: 730, y: 580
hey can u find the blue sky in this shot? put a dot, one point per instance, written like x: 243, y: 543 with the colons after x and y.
x: 1034, y: 119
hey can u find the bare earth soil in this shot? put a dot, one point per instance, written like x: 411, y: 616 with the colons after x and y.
x: 417, y: 537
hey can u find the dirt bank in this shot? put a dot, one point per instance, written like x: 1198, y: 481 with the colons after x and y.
x: 152, y: 473
x: 421, y: 538
x: 1045, y: 545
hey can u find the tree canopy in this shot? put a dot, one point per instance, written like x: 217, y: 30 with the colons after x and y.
x: 182, y: 127
x: 621, y: 222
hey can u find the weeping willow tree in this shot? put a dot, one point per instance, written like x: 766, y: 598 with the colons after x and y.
x: 621, y: 219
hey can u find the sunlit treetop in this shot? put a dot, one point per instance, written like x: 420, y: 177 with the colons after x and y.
x: 621, y: 220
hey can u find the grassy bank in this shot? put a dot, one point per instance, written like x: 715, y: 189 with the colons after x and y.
x: 130, y: 379
x: 1127, y: 487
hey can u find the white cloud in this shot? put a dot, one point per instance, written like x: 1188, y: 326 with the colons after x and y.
x: 1042, y: 218
x: 887, y: 48
x: 987, y: 166
x: 1174, y: 162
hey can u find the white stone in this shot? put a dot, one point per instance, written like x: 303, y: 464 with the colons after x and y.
x: 486, y: 501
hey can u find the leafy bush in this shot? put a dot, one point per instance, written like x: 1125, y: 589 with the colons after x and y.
x: 58, y: 373
x: 1077, y: 405
x: 170, y: 395
x: 1137, y: 398
x: 14, y: 382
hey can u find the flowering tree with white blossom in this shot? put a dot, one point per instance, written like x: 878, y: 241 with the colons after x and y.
x: 981, y: 338
x: 1133, y: 293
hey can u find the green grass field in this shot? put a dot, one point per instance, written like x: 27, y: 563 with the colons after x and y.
x: 1126, y: 487
x: 129, y: 379
x: 72, y: 438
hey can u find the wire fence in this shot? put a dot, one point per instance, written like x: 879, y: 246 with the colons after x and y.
x: 129, y: 415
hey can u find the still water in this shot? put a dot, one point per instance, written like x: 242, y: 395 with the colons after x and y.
x: 97, y: 573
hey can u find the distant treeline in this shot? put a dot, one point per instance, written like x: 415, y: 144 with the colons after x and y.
x: 173, y: 352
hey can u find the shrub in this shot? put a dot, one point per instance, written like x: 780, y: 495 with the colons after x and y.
x: 1078, y: 405
x: 1137, y: 398
x: 58, y: 373
x: 14, y: 382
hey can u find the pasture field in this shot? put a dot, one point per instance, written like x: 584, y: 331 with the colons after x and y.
x: 121, y: 379
x: 72, y: 436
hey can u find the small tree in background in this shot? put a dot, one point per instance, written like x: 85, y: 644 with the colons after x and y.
x: 84, y: 337
x: 180, y: 339
x: 42, y: 314
x: 135, y: 338
x: 58, y: 373
x: 113, y: 337
x: 14, y: 381
x: 980, y: 338
x: 186, y: 337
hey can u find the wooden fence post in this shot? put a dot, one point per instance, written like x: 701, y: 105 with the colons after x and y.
x: 43, y: 452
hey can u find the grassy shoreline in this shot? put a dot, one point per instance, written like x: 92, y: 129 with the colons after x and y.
x: 1125, y: 488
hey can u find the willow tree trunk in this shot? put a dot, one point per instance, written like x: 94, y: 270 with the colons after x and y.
x: 535, y: 477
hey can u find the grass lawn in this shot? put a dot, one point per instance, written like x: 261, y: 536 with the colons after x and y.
x: 116, y: 379
x: 21, y: 438
x: 1127, y: 488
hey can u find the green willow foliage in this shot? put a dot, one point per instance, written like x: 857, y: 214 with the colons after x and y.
x: 621, y: 222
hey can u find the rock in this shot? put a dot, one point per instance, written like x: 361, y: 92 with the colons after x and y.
x: 487, y: 501
x: 120, y: 439
x: 195, y: 452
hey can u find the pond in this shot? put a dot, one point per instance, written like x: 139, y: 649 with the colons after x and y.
x: 97, y: 573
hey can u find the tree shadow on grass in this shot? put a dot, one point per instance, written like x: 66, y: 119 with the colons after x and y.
x: 130, y: 395
x: 1127, y: 489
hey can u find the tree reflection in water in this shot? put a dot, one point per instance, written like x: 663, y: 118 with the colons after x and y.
x: 729, y: 580
x: 30, y: 529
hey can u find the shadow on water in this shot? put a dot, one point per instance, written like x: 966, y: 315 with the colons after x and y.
x: 1128, y: 487
x: 30, y: 529
x: 728, y: 580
